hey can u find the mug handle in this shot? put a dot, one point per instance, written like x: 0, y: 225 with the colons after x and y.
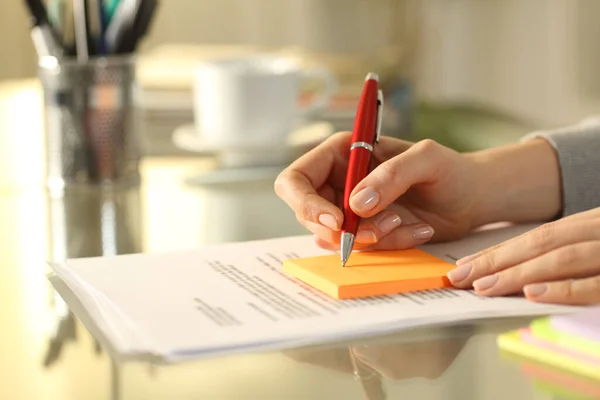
x: 324, y: 98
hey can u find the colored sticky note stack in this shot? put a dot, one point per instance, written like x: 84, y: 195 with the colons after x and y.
x: 568, y: 342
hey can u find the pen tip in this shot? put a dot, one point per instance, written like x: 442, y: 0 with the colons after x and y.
x: 373, y: 76
x: 343, y: 263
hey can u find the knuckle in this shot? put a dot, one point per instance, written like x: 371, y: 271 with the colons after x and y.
x: 565, y: 290
x: 542, y: 238
x: 336, y: 139
x: 341, y: 135
x: 596, y: 226
x: 388, y: 173
x: 488, y: 262
x: 309, y: 209
x: 594, y: 288
x: 427, y: 146
x: 566, y: 256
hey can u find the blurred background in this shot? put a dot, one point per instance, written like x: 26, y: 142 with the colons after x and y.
x: 507, y: 64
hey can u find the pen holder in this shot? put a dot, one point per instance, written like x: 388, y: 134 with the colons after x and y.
x: 92, y: 130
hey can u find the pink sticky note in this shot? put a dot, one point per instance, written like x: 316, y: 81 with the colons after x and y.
x: 528, y: 337
x: 585, y: 324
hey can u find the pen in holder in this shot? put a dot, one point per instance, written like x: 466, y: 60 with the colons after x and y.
x: 92, y: 130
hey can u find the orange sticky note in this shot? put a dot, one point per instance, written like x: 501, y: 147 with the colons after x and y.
x: 371, y: 273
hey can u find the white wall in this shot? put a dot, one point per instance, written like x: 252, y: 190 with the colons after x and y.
x: 537, y: 59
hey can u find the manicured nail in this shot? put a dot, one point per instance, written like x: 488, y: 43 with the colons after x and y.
x: 364, y: 200
x: 388, y: 223
x: 466, y: 259
x: 367, y: 353
x: 535, y: 289
x: 460, y: 273
x: 485, y: 282
x: 329, y: 221
x: 366, y: 237
x: 423, y: 233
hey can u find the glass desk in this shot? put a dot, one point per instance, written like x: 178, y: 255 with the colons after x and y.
x: 47, y: 354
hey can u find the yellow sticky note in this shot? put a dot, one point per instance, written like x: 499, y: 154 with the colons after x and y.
x: 512, y: 343
x: 371, y: 273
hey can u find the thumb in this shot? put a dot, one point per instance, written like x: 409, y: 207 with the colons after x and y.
x: 391, y: 179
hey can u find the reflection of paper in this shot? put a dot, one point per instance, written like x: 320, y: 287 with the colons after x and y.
x: 235, y: 297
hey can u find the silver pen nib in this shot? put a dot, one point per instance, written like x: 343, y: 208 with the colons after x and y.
x: 346, y: 244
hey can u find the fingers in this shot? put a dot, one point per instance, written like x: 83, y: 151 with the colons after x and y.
x: 568, y: 292
x: 530, y: 245
x: 422, y: 163
x: 373, y: 229
x: 404, y: 237
x: 297, y: 185
x: 326, y: 164
x: 383, y: 231
x: 388, y: 148
x: 572, y: 261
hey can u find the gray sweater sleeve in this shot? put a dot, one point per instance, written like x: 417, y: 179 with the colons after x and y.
x: 578, y: 151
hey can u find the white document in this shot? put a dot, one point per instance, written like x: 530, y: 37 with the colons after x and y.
x: 236, y: 298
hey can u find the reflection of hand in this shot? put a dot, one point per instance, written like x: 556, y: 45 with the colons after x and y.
x: 427, y: 359
x: 334, y: 359
x: 555, y: 263
x: 410, y: 360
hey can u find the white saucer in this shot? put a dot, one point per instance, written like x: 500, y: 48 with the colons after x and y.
x: 234, y: 177
x: 298, y: 142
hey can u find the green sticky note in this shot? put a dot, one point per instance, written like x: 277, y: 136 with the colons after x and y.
x: 541, y: 328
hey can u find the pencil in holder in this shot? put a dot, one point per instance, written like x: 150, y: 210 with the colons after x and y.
x: 92, y: 127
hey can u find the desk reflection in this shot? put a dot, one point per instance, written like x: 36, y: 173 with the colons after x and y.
x: 372, y: 364
x: 244, y: 211
x: 88, y: 222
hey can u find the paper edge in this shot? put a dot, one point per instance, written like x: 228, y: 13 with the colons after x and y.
x: 95, y: 301
x: 97, y: 333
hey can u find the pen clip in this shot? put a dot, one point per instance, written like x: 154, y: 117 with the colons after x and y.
x: 379, y: 115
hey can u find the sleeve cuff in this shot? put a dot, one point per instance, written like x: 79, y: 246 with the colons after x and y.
x: 578, y: 151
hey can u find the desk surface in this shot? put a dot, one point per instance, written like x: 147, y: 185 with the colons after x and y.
x: 48, y: 354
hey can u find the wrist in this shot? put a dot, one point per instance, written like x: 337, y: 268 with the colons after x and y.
x: 517, y: 183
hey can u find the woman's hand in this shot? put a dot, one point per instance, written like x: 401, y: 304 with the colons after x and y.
x: 558, y: 262
x: 414, y: 193
x: 422, y: 191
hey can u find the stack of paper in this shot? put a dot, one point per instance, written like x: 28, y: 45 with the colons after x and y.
x: 568, y: 342
x: 236, y: 298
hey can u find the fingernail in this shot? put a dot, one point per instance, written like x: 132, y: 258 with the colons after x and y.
x: 466, y: 259
x: 485, y: 282
x: 367, y: 353
x: 388, y: 223
x: 364, y: 200
x: 366, y: 237
x: 460, y: 273
x: 329, y: 221
x: 535, y: 289
x: 423, y: 233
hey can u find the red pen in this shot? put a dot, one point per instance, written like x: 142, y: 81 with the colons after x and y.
x: 367, y: 130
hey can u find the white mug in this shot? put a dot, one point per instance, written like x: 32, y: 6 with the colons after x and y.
x: 254, y: 101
